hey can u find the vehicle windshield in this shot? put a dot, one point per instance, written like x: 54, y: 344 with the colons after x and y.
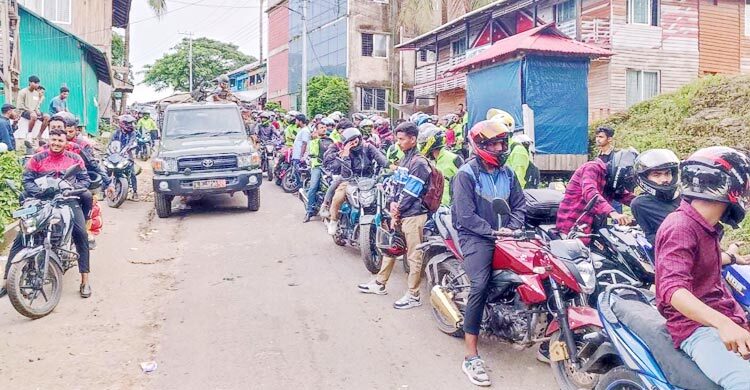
x: 208, y: 122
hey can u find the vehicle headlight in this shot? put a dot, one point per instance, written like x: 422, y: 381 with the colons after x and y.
x: 366, y: 198
x: 586, y: 269
x: 108, y: 164
x: 269, y: 148
x: 248, y: 160
x: 164, y: 164
x: 122, y: 164
x: 29, y: 225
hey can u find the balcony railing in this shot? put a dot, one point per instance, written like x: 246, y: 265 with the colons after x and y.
x: 426, y: 73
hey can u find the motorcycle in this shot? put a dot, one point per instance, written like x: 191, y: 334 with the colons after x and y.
x: 360, y: 217
x: 46, y: 226
x: 119, y: 166
x: 537, y: 292
x: 738, y: 278
x: 268, y: 158
x: 295, y: 177
x: 283, y: 163
x: 143, y: 147
x: 325, y: 183
x: 635, y: 347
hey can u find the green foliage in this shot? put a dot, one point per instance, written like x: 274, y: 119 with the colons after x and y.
x: 713, y: 110
x: 326, y: 94
x: 118, y: 49
x: 158, y: 6
x: 275, y: 107
x: 210, y: 59
x: 10, y: 169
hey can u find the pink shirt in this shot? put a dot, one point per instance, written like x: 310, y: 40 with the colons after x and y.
x: 688, y: 256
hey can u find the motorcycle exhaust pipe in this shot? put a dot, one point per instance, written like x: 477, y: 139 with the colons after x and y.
x: 442, y: 300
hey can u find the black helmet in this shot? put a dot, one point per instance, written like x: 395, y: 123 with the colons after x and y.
x: 620, y: 174
x: 391, y: 244
x: 657, y: 160
x: 95, y: 180
x: 720, y: 174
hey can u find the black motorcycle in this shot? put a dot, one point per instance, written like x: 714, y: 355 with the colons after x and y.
x: 119, y: 167
x: 46, y: 225
x: 268, y: 158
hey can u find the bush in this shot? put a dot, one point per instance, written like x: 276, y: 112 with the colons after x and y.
x: 275, y: 107
x: 10, y: 169
x: 326, y: 94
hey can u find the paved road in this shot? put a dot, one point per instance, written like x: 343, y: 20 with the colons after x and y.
x: 222, y: 298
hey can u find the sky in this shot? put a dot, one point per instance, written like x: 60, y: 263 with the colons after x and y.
x: 233, y: 21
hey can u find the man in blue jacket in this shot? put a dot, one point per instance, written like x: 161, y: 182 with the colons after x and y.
x: 477, y: 183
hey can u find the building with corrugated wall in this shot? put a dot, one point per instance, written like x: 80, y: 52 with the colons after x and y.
x: 60, y: 58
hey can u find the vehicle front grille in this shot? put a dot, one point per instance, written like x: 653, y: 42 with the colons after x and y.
x: 207, y: 163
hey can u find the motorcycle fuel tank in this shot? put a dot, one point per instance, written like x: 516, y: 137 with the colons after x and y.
x: 738, y: 279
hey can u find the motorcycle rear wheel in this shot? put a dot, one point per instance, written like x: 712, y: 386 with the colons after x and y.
x: 567, y: 376
x: 291, y: 182
x: 368, y: 250
x: 269, y: 170
x: 448, y: 270
x: 18, y: 292
x: 620, y: 378
x: 121, y: 193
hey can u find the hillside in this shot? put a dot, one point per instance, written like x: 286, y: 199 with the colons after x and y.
x: 714, y: 110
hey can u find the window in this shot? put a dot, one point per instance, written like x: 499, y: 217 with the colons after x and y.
x: 374, y: 45
x: 429, y: 56
x: 458, y: 47
x: 57, y: 11
x: 640, y: 85
x: 643, y: 12
x: 372, y: 99
x: 409, y: 98
x: 565, y: 11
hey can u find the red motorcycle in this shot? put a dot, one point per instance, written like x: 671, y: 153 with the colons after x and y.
x: 537, y: 292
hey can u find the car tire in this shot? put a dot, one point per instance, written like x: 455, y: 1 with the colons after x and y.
x: 253, y: 199
x: 163, y: 204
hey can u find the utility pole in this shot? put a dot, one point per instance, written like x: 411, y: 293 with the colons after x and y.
x: 190, y: 56
x: 260, y: 34
x: 303, y: 107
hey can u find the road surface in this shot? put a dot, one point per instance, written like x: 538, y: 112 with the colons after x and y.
x: 222, y: 298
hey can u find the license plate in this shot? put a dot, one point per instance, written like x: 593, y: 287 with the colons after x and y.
x: 24, y: 212
x: 209, y: 184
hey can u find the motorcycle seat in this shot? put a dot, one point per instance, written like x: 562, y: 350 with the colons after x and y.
x: 447, y: 222
x: 646, y: 322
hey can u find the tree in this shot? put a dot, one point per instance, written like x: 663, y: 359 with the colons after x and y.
x: 418, y: 16
x: 326, y: 94
x: 158, y: 6
x: 210, y: 59
x: 118, y: 49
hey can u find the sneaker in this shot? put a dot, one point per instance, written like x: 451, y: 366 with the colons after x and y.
x: 407, y: 302
x: 92, y: 242
x: 307, y: 218
x: 85, y: 290
x: 333, y: 227
x: 474, y: 369
x: 542, y: 354
x: 372, y: 287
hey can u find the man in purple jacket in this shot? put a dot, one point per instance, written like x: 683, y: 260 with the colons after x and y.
x: 703, y: 318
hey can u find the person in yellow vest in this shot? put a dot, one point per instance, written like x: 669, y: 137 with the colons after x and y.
x: 431, y: 144
x: 290, y: 133
x: 519, y: 157
x: 319, y: 143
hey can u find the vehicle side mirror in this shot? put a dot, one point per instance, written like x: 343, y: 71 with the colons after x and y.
x: 502, y: 210
x: 71, y: 171
x: 590, y: 205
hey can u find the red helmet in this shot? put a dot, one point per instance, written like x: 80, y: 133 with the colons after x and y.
x: 392, y: 244
x: 485, y: 133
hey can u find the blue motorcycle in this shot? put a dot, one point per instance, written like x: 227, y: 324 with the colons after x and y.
x: 635, y: 351
x: 738, y: 279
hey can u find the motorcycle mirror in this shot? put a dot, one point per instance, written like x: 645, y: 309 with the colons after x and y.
x: 72, y: 170
x: 501, y: 209
x: 591, y: 203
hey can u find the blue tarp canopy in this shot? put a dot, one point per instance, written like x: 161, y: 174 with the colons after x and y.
x: 555, y: 88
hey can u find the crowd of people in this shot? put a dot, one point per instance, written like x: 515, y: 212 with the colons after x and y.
x: 681, y: 207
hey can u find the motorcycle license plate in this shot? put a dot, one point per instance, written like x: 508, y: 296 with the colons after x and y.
x: 209, y: 184
x: 24, y: 212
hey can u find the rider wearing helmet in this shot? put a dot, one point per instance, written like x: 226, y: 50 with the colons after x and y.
x: 266, y: 132
x: 431, y: 144
x: 290, y: 133
x: 126, y: 135
x: 702, y: 316
x: 483, y: 178
x: 366, y: 126
x: 519, y: 158
x: 421, y: 119
x: 657, y: 174
x: 318, y: 145
x: 610, y: 181
x: 358, y: 117
x: 354, y: 158
x: 383, y: 129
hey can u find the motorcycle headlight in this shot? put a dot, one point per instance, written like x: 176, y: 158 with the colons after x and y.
x: 29, y: 225
x: 366, y: 198
x: 269, y: 148
x: 108, y: 164
x: 164, y: 164
x: 248, y: 160
x: 586, y: 269
x: 122, y: 164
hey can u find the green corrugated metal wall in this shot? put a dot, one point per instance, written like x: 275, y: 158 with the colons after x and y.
x: 58, y: 60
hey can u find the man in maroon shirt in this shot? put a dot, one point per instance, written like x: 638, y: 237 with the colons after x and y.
x: 703, y: 318
x: 613, y: 180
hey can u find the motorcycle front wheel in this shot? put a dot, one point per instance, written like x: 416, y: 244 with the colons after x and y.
x: 291, y: 182
x: 269, y: 170
x: 27, y: 288
x: 120, y: 194
x: 567, y: 376
x: 368, y: 250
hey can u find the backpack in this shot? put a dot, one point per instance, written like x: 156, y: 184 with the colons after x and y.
x: 434, y: 193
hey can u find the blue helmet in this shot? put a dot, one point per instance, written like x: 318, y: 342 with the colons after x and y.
x: 419, y: 120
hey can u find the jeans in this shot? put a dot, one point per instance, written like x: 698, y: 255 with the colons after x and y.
x: 725, y: 368
x: 87, y: 204
x: 80, y: 240
x: 478, y: 266
x: 412, y: 228
x: 133, y: 181
x: 312, y: 193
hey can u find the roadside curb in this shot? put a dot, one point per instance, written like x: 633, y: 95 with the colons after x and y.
x: 9, y: 233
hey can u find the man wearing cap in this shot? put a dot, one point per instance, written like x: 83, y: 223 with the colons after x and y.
x: 28, y: 102
x: 59, y: 103
x: 6, y: 129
